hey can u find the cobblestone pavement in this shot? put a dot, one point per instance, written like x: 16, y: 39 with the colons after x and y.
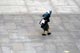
x: 20, y: 31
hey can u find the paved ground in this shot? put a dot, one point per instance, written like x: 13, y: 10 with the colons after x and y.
x: 20, y: 31
x: 22, y: 34
x: 39, y: 6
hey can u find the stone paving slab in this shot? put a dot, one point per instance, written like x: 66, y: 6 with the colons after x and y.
x: 11, y: 2
x: 12, y: 9
x: 77, y: 1
x: 39, y: 6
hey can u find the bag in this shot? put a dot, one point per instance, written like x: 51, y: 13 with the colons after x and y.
x: 42, y: 21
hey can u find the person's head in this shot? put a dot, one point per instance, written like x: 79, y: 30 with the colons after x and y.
x: 50, y: 11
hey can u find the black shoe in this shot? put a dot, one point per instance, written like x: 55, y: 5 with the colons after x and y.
x: 49, y: 33
x: 43, y: 34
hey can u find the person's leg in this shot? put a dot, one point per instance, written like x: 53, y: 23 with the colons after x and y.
x: 44, y: 33
x: 45, y: 30
x: 48, y: 32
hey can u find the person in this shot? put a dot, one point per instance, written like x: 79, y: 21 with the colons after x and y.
x: 44, y: 23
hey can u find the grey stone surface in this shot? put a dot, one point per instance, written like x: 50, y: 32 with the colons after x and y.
x: 12, y: 2
x: 20, y: 31
x: 22, y: 34
x: 39, y: 6
x: 6, y: 50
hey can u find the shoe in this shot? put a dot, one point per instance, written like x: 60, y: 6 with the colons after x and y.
x: 49, y: 33
x: 43, y: 34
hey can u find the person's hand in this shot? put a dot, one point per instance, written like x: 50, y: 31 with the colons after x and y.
x: 50, y: 12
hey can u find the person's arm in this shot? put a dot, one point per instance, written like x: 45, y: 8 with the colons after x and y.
x: 48, y: 20
x: 50, y: 12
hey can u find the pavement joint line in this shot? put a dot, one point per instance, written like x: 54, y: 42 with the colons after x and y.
x: 77, y: 4
x: 26, y: 6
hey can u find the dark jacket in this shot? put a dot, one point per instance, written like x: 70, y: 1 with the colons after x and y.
x: 47, y: 15
x: 46, y: 23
